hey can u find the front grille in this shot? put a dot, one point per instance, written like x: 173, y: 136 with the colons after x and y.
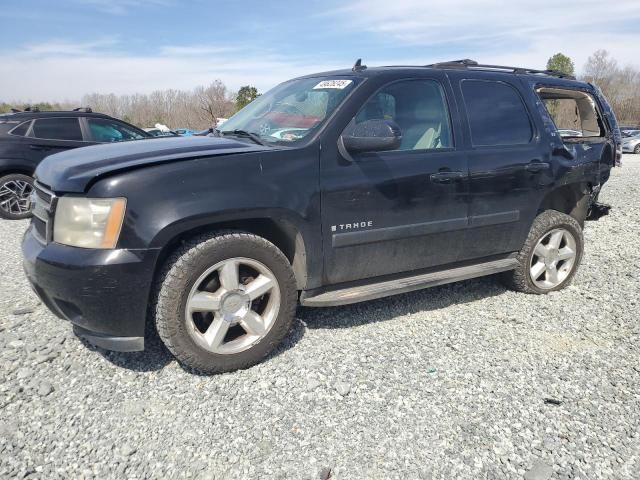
x: 44, y: 203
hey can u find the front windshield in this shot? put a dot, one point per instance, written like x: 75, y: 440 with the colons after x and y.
x: 291, y: 111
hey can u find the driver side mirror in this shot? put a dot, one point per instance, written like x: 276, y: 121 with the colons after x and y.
x: 371, y: 136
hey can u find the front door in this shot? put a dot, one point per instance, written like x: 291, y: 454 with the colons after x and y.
x: 402, y: 210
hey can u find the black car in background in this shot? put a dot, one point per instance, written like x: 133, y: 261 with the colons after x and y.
x: 27, y: 137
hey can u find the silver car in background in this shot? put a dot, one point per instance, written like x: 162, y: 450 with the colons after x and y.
x: 631, y: 144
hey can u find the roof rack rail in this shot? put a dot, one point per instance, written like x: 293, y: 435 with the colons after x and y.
x: 466, y: 62
x: 83, y: 109
x: 32, y: 109
x: 15, y: 110
x: 473, y: 65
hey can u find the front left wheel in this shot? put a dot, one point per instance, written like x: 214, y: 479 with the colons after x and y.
x: 15, y: 196
x: 224, y: 302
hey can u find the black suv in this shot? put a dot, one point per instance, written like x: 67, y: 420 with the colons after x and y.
x: 330, y: 189
x: 28, y: 137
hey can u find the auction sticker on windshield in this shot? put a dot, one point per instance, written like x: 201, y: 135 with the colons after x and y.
x: 339, y: 84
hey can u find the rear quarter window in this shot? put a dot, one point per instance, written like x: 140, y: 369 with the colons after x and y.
x: 496, y: 114
x: 21, y: 130
x: 574, y: 112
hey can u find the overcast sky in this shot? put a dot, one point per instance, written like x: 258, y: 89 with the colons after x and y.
x: 60, y: 50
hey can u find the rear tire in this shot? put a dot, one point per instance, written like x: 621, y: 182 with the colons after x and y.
x: 637, y: 149
x: 550, y: 256
x: 15, y: 196
x: 225, y: 302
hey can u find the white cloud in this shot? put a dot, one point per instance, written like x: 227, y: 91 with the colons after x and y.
x: 122, y: 7
x: 517, y: 31
x: 511, y: 33
x: 65, y: 48
x: 196, y: 50
x: 65, y: 71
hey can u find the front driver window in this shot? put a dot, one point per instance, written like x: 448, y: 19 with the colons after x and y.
x: 108, y: 131
x: 418, y: 107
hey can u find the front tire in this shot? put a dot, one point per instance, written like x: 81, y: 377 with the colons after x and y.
x: 15, y: 196
x: 224, y: 302
x: 637, y: 149
x: 550, y: 257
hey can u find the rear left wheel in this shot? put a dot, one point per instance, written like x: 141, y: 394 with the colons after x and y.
x: 225, y: 302
x: 15, y: 196
x: 550, y: 256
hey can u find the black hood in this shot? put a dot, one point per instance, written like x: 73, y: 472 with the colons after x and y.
x: 73, y: 170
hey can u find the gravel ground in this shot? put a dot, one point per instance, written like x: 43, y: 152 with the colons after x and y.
x: 463, y: 381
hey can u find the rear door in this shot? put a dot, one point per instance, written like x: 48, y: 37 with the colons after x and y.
x: 47, y: 136
x: 509, y: 168
x: 401, y: 210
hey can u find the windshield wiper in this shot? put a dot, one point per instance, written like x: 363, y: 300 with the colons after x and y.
x: 243, y: 133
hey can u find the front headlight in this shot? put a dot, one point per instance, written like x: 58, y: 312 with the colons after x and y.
x: 88, y: 222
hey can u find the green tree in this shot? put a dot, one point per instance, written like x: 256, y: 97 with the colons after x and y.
x: 561, y: 63
x: 245, y: 96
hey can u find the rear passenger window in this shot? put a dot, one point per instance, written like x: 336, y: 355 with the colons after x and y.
x: 418, y: 107
x: 57, y: 129
x: 496, y: 113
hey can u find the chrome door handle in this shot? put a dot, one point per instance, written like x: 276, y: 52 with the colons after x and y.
x: 536, y: 167
x: 447, y: 177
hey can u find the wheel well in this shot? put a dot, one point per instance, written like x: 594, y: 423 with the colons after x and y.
x: 281, y: 233
x: 9, y: 171
x: 571, y: 199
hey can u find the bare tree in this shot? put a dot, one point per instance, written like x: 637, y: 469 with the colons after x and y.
x: 621, y: 86
x: 214, y: 101
x: 195, y: 109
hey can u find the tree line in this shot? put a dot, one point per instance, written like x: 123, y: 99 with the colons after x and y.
x: 196, y: 109
x: 199, y: 108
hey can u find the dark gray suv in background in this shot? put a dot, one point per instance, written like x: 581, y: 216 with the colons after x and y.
x: 29, y: 136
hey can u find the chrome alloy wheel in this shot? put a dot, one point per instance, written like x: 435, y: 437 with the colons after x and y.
x: 553, y: 259
x: 232, y: 305
x: 15, y: 197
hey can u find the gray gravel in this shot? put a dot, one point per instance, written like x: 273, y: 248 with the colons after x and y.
x: 463, y: 381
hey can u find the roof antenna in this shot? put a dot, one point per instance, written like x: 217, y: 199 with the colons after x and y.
x: 358, y: 67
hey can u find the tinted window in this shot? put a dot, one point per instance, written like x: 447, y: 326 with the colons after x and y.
x: 21, y: 130
x: 57, y: 129
x: 497, y: 115
x: 418, y: 107
x: 110, y: 131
